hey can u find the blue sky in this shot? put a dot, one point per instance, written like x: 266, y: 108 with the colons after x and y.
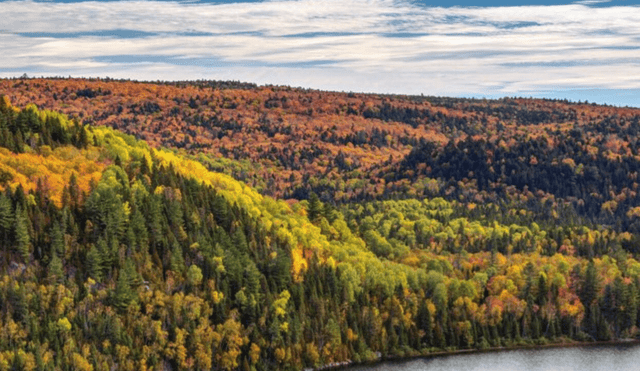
x: 585, y: 50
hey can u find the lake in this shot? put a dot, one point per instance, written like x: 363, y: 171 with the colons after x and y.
x: 621, y: 357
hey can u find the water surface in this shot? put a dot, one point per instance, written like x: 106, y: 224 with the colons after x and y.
x: 584, y: 358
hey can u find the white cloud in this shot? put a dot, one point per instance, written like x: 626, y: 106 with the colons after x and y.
x: 370, y: 45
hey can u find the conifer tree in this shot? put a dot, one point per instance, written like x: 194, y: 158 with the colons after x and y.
x: 57, y: 239
x: 106, y: 259
x: 83, y: 137
x: 315, y: 207
x: 424, y: 323
x: 6, y: 218
x: 7, y: 138
x: 590, y: 286
x: 18, y: 143
x: 94, y: 263
x: 177, y: 260
x: 23, y: 240
x: 132, y: 274
x: 55, y: 267
x: 124, y: 294
x: 137, y: 226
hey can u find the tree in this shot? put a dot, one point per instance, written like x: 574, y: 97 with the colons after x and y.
x: 94, y: 263
x: 83, y: 137
x: 55, y: 267
x: 230, y: 342
x: 57, y: 239
x: 137, y: 225
x: 177, y: 259
x: 315, y: 208
x: 74, y: 190
x: 23, y: 240
x: 6, y: 219
x: 124, y: 294
x: 590, y: 286
x: 194, y: 276
x: 424, y: 323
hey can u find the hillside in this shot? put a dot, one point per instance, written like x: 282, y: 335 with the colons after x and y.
x: 347, y: 147
x: 454, y: 232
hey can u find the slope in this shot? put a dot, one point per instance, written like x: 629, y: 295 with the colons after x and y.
x: 158, y: 263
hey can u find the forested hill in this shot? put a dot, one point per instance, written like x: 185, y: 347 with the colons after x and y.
x: 116, y: 254
x: 574, y: 162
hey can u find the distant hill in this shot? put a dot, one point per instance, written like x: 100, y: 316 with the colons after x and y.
x: 345, y: 146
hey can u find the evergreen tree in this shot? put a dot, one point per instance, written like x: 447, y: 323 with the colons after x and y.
x: 106, y: 258
x: 6, y: 219
x: 137, y: 226
x: 123, y: 294
x: 94, y: 263
x: 83, y: 137
x: 57, y: 239
x: 177, y: 259
x: 18, y: 143
x: 315, y: 208
x: 23, y: 240
x: 423, y: 321
x: 590, y: 286
x: 7, y: 139
x: 55, y: 267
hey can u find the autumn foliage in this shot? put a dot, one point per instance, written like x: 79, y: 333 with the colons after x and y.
x: 412, y: 225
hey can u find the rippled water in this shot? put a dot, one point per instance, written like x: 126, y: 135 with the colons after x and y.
x: 584, y: 358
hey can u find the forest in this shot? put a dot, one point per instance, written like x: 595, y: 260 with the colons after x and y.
x: 227, y: 226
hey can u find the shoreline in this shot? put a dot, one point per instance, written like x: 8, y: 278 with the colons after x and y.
x: 391, y: 359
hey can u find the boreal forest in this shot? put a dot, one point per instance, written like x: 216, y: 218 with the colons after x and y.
x: 226, y: 226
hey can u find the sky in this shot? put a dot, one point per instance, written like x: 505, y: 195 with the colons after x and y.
x: 577, y: 50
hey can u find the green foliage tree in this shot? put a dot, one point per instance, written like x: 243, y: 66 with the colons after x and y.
x: 23, y: 239
x: 194, y: 276
x: 315, y: 209
x: 55, y: 267
x: 177, y: 259
x: 6, y: 219
x: 124, y: 294
x: 94, y: 263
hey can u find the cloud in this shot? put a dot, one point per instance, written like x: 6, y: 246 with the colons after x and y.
x: 385, y: 46
x: 592, y: 2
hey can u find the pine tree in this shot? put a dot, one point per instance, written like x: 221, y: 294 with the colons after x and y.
x: 137, y: 225
x: 94, y: 263
x: 124, y: 294
x: 144, y: 167
x: 55, y: 267
x: 7, y: 139
x: 57, y: 239
x: 315, y: 208
x: 177, y: 260
x: 6, y: 219
x: 83, y: 137
x: 18, y: 143
x: 23, y: 240
x: 590, y: 286
x: 424, y: 323
x: 132, y: 274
